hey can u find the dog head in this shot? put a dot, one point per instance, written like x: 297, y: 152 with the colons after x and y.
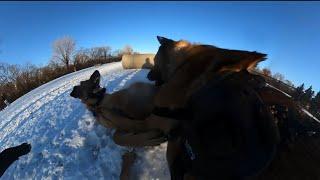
x: 167, y: 59
x: 172, y: 55
x: 89, y: 91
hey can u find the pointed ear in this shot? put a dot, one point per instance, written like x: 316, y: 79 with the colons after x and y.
x: 163, y: 40
x: 95, y: 77
x: 236, y: 60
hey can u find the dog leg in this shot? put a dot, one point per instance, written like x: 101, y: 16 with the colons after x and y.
x: 163, y: 123
x: 127, y: 161
x: 8, y: 156
x: 124, y: 123
x: 174, y: 159
x: 150, y: 138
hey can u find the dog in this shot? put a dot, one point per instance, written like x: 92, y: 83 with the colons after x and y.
x: 10, y: 155
x: 181, y: 70
x: 227, y: 130
x: 129, y: 112
x: 126, y: 111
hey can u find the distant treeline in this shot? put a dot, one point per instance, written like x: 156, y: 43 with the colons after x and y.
x: 17, y: 80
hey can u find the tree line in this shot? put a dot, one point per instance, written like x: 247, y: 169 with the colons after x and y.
x: 17, y: 80
x: 307, y: 98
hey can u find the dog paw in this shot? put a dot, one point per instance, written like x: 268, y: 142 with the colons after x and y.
x: 129, y: 157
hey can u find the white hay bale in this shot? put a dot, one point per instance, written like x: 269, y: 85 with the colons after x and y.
x: 137, y: 61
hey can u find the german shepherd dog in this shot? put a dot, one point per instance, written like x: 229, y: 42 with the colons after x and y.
x: 205, y: 81
x: 125, y: 110
x: 129, y: 112
x: 227, y: 130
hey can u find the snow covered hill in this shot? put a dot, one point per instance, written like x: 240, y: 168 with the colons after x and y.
x: 66, y: 141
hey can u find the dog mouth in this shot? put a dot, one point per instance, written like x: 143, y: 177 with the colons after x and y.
x: 154, y: 75
x: 151, y: 75
x: 75, y: 92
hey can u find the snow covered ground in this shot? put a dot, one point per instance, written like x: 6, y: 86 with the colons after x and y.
x: 66, y: 141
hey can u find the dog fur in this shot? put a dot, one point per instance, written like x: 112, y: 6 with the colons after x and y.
x: 10, y: 155
x: 215, y: 86
x: 184, y: 67
x: 125, y: 110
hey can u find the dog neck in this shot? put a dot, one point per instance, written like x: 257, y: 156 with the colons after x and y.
x: 96, y: 101
x: 94, y: 104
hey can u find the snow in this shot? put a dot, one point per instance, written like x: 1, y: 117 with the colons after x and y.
x: 278, y: 90
x: 310, y: 115
x: 67, y: 143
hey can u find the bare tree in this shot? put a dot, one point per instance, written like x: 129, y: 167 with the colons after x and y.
x: 100, y: 53
x: 9, y: 73
x: 127, y: 50
x: 116, y: 53
x: 266, y: 71
x: 94, y: 53
x: 63, y: 50
x: 4, y: 72
x: 105, y: 52
x: 82, y: 56
x: 278, y: 76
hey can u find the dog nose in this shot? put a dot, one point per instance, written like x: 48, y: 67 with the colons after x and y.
x: 72, y: 94
x: 150, y: 75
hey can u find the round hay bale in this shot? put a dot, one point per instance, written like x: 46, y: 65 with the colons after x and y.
x: 137, y: 61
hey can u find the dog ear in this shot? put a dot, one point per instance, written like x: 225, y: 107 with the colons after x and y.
x: 236, y: 60
x: 163, y: 40
x: 95, y: 77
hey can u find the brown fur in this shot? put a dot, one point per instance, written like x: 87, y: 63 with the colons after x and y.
x: 184, y: 67
x: 125, y: 110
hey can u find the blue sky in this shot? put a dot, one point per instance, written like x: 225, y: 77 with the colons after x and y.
x: 289, y: 32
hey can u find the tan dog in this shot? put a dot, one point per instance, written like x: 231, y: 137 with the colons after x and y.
x: 125, y: 110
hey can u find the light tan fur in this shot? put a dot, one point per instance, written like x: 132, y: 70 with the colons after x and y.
x: 127, y: 110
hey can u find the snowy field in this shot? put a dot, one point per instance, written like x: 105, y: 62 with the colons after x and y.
x: 66, y: 141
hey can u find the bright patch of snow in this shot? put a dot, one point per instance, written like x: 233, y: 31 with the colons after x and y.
x: 278, y: 90
x: 310, y: 115
x: 67, y: 143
